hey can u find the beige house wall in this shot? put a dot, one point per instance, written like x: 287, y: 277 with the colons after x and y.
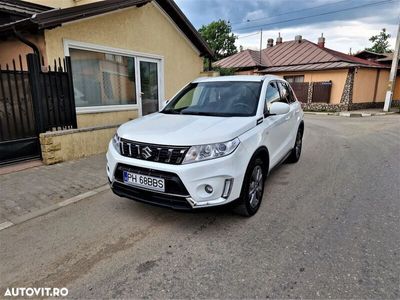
x: 338, y: 78
x: 365, y: 83
x: 105, y: 118
x: 396, y: 94
x: 146, y: 29
x: 11, y: 48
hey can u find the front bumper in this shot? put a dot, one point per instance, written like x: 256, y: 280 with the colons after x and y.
x: 185, y: 188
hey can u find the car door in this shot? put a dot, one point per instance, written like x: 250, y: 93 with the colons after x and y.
x: 293, y: 115
x: 290, y: 118
x: 275, y: 126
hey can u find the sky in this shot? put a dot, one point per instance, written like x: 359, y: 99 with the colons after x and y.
x: 344, y: 23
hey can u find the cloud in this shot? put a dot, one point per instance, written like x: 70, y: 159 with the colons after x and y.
x: 350, y: 28
x: 340, y: 35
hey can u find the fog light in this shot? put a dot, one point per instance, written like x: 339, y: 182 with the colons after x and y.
x: 208, y: 189
x: 227, y: 188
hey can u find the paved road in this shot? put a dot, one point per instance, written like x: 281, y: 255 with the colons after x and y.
x: 328, y: 227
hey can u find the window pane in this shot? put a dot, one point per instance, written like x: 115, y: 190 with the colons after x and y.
x: 272, y: 95
x: 149, y: 87
x: 285, y: 98
x: 102, y: 78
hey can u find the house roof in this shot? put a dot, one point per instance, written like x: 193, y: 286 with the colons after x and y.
x: 13, y: 10
x: 366, y: 54
x: 294, y: 56
x: 50, y: 18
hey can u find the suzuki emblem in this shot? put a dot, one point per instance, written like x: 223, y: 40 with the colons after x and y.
x: 146, y: 152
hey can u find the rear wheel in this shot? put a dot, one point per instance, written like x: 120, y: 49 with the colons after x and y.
x: 253, y: 189
x: 296, y: 151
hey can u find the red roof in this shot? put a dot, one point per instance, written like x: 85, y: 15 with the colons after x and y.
x: 294, y: 55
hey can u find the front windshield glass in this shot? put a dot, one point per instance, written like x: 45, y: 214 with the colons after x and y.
x: 226, y: 98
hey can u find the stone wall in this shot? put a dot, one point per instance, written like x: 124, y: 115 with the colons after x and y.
x: 344, y: 107
x: 347, y: 95
x: 72, y: 144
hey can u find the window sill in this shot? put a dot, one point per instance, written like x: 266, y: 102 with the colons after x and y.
x: 108, y: 108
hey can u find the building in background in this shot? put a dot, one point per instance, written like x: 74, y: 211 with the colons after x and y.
x: 323, y: 79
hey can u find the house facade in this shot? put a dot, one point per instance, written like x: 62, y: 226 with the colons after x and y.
x: 324, y: 79
x: 127, y: 57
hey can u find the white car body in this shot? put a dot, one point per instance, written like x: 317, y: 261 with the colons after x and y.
x: 274, y: 133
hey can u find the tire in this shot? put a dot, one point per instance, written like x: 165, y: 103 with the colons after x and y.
x: 252, y: 189
x: 296, y: 151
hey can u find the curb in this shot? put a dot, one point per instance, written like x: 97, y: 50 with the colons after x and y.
x: 54, y: 207
x: 349, y: 114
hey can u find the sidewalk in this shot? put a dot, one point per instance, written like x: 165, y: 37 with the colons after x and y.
x: 357, y: 113
x: 39, y: 187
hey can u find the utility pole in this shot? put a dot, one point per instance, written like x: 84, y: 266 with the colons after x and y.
x: 393, y: 72
x: 260, y: 44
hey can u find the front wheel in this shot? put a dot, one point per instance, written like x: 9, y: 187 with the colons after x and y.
x: 253, y: 189
x: 296, y: 151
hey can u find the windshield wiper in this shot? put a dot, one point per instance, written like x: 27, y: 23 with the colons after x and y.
x: 202, y: 113
x: 174, y: 111
x: 170, y: 111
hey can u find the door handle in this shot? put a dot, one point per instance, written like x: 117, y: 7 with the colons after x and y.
x: 287, y: 118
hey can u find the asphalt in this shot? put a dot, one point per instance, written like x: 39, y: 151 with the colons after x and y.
x: 328, y: 227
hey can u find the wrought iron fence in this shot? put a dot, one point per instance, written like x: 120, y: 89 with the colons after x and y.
x: 33, y: 101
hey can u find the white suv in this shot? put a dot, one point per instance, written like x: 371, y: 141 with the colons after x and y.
x: 214, y: 143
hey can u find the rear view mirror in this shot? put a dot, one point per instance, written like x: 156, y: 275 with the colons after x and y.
x: 279, y: 108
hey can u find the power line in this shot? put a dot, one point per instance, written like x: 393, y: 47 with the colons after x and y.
x: 316, y: 15
x: 245, y: 36
x: 289, y: 12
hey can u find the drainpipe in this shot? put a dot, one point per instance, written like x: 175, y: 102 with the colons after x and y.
x: 27, y: 42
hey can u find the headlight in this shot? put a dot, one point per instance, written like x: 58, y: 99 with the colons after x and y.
x: 211, y: 151
x: 116, y: 142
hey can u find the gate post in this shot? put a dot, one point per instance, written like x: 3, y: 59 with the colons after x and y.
x: 71, y: 91
x: 36, y: 90
x: 310, y: 92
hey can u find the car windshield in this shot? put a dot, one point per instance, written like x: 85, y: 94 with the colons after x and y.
x: 226, y: 98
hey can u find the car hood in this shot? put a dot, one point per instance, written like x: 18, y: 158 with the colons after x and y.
x: 184, y: 130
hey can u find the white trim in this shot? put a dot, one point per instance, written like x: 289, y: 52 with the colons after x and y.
x: 159, y: 59
x: 176, y: 27
x: 159, y: 83
x: 106, y: 108
x: 99, y: 48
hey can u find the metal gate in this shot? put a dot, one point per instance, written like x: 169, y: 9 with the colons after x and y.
x: 32, y: 102
x: 301, y: 90
x: 322, y: 92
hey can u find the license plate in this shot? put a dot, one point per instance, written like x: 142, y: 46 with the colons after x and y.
x: 144, y: 181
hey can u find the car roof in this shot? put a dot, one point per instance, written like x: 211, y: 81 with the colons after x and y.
x: 248, y: 78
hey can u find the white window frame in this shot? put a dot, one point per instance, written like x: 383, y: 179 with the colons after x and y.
x: 68, y: 44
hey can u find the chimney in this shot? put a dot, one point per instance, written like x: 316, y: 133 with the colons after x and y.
x: 298, y: 38
x: 321, y: 41
x: 270, y: 43
x: 278, y: 39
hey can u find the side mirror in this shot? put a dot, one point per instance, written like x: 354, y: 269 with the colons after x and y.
x: 279, y: 108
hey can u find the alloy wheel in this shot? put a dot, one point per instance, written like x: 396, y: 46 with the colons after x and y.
x: 256, y: 186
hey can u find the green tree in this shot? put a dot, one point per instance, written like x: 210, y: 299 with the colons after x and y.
x: 219, y: 36
x: 380, y: 43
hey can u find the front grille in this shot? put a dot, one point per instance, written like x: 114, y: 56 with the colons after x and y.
x: 173, y: 184
x: 151, y: 152
x: 150, y: 197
